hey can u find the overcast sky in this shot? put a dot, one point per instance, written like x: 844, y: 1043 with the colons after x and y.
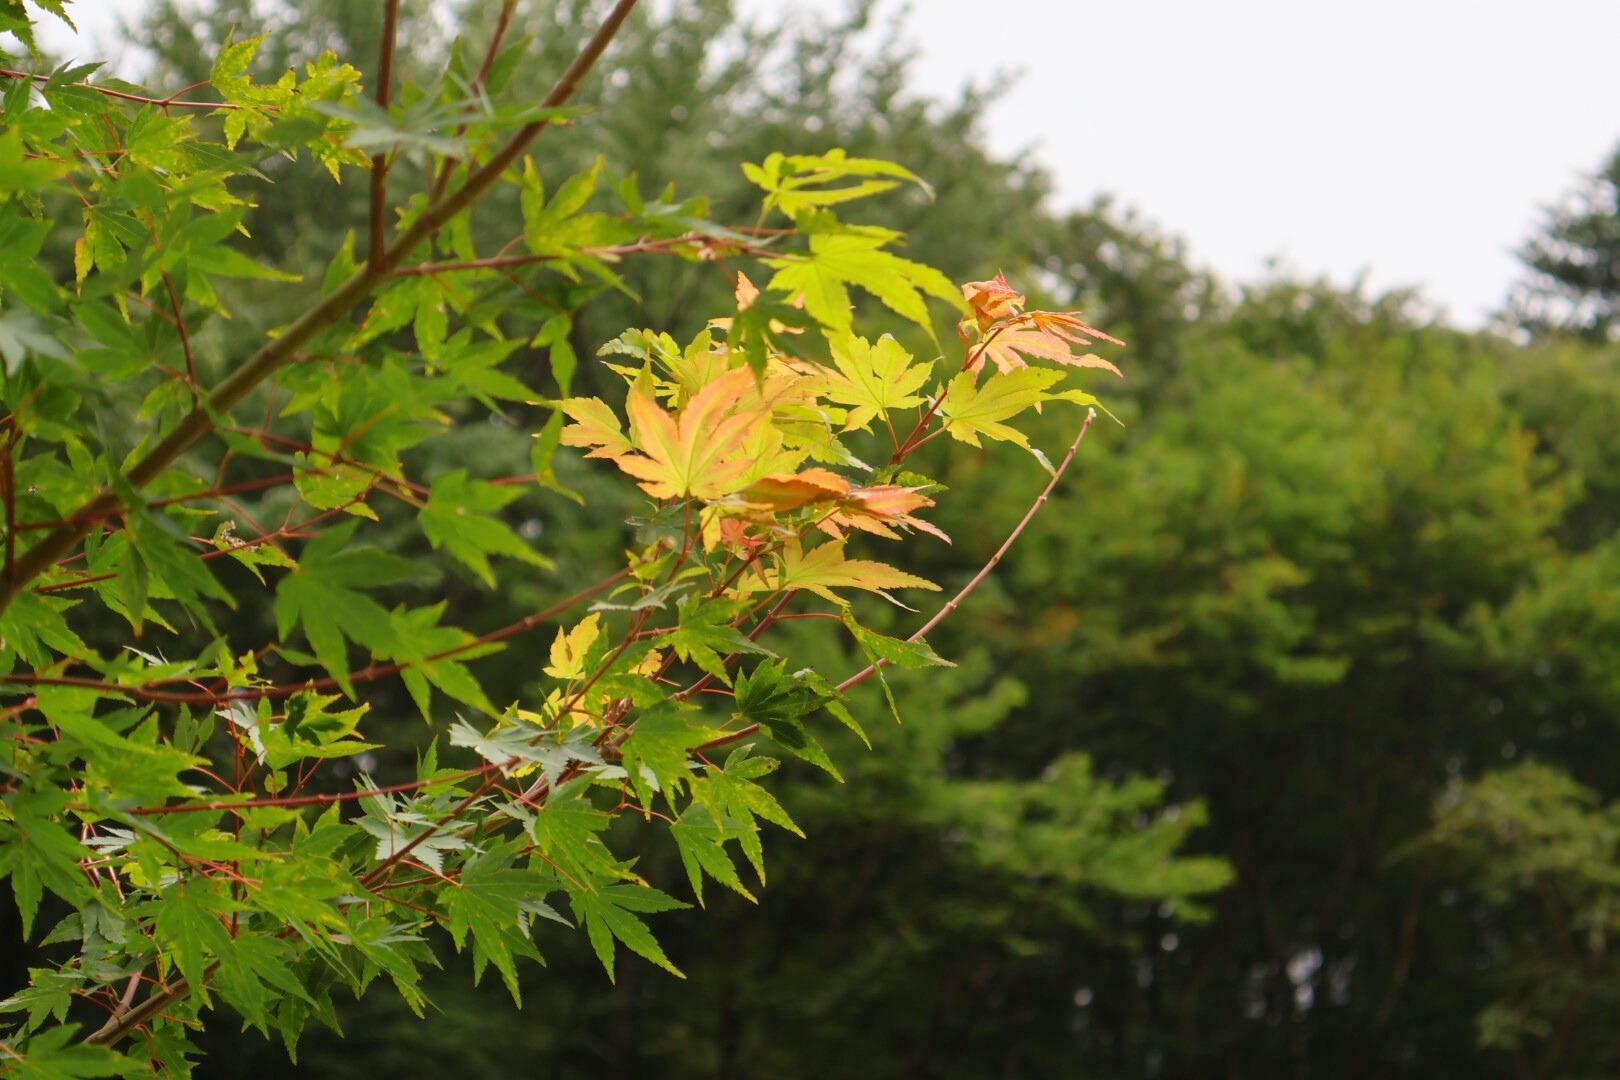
x: 1414, y: 140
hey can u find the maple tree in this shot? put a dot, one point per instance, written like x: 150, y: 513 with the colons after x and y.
x: 175, y: 809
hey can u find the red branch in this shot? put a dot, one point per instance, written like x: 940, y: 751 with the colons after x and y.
x: 149, y: 691
x: 170, y: 102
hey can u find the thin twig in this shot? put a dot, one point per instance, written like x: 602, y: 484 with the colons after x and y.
x: 441, y: 183
x: 954, y: 602
x: 150, y: 691
x: 169, y: 102
x: 379, y: 160
x: 185, y: 335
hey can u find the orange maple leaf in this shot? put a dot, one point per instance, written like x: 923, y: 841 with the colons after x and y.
x: 781, y: 492
x: 1008, y: 335
x: 878, y: 508
x: 992, y: 301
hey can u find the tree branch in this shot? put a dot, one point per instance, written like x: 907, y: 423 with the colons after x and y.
x: 138, y: 99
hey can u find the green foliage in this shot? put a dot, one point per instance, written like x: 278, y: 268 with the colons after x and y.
x: 260, y: 455
x: 1542, y: 854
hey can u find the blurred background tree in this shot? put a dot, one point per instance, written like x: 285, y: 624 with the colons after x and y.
x: 1572, y: 284
x: 1298, y: 628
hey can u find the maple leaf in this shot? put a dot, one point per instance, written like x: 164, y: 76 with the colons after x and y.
x: 489, y: 903
x: 1007, y: 334
x: 700, y: 453
x: 780, y: 492
x: 569, y: 647
x: 609, y: 914
x: 1010, y: 349
x: 970, y: 411
x: 991, y: 301
x: 1069, y: 326
x: 823, y: 569
x: 876, y: 509
x: 594, y: 425
x: 707, y: 629
x: 460, y: 518
x: 872, y: 509
x: 837, y: 261
x: 738, y: 535
x: 873, y: 378
x: 799, y: 182
x: 701, y: 843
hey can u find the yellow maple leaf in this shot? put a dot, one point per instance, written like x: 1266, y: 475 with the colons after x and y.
x: 594, y: 425
x: 873, y: 377
x: 823, y: 569
x: 569, y: 648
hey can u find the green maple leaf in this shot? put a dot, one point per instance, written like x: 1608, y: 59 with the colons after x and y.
x: 795, y: 183
x: 516, y: 739
x: 660, y: 744
x: 421, y: 637
x: 705, y: 634
x: 881, y: 651
x: 609, y: 914
x: 458, y: 517
x: 37, y: 854
x: 257, y: 974
x: 490, y: 902
x: 733, y: 797
x: 567, y: 832
x: 322, y: 595
x: 188, y: 927
x: 778, y: 703
x: 701, y: 841
x: 837, y: 261
x: 57, y: 1053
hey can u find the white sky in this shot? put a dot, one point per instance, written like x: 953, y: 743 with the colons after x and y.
x: 1414, y: 140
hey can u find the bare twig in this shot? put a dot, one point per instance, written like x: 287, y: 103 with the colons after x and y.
x: 379, y: 160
